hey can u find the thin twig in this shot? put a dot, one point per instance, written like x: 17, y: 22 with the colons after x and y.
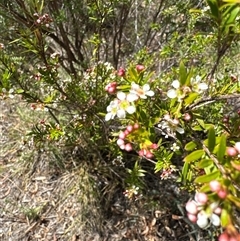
x: 209, y: 100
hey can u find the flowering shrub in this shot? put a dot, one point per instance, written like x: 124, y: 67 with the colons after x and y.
x: 187, y: 113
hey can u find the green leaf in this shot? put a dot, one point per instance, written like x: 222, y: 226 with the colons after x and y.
x: 189, y: 100
x: 182, y: 73
x: 194, y: 156
x: 208, y: 177
x: 225, y: 218
x: 214, y: 8
x: 221, y: 148
x: 190, y: 146
x: 186, y: 172
x: 233, y: 15
x: 205, y: 163
x: 211, y: 139
x: 235, y: 200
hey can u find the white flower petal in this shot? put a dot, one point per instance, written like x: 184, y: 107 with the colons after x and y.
x: 132, y: 97
x: 150, y: 93
x: 172, y: 94
x: 215, y: 219
x: 131, y: 109
x: 121, y: 95
x: 121, y: 114
x: 203, y: 86
x: 180, y: 130
x: 146, y: 87
x: 135, y: 86
x: 108, y: 116
x: 176, y: 84
x: 198, y: 78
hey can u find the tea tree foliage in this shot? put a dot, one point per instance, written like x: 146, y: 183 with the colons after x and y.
x: 133, y: 83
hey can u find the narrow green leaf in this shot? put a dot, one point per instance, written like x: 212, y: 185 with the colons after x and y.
x: 214, y: 8
x: 234, y: 13
x: 194, y: 156
x: 211, y: 139
x: 190, y: 146
x: 189, y: 100
x: 221, y: 148
x: 205, y: 163
x: 235, y: 200
x: 182, y: 73
x: 208, y: 177
x: 225, y: 218
x: 185, y: 172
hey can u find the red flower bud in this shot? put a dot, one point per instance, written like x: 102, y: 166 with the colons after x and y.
x: 223, y: 237
x: 222, y: 193
x: 139, y: 67
x: 136, y: 126
x: 121, y: 72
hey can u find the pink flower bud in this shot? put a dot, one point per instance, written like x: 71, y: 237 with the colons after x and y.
x: 149, y: 154
x: 111, y: 90
x: 218, y: 210
x: 231, y: 151
x: 120, y: 142
x: 141, y: 153
x: 237, y: 146
x: 128, y: 147
x: 121, y: 72
x: 126, y: 132
x: 223, y: 237
x: 201, y: 198
x: 222, y: 193
x: 191, y: 207
x: 187, y: 117
x: 215, y: 186
x: 225, y: 119
x: 192, y: 218
x: 129, y: 128
x: 154, y: 146
x: 139, y: 67
x: 136, y: 126
x: 122, y: 135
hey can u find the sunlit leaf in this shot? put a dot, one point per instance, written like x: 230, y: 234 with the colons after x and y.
x: 205, y: 163
x: 221, y: 148
x: 194, y: 156
x: 182, y: 73
x: 190, y: 146
x: 207, y: 178
x: 211, y: 139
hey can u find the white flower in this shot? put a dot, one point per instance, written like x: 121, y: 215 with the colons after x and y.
x: 175, y: 147
x: 202, y: 220
x: 173, y: 93
x: 124, y: 105
x: 215, y: 220
x: 112, y: 110
x: 197, y: 85
x: 169, y: 126
x: 141, y: 92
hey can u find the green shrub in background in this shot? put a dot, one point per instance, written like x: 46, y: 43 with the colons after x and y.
x: 168, y: 103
